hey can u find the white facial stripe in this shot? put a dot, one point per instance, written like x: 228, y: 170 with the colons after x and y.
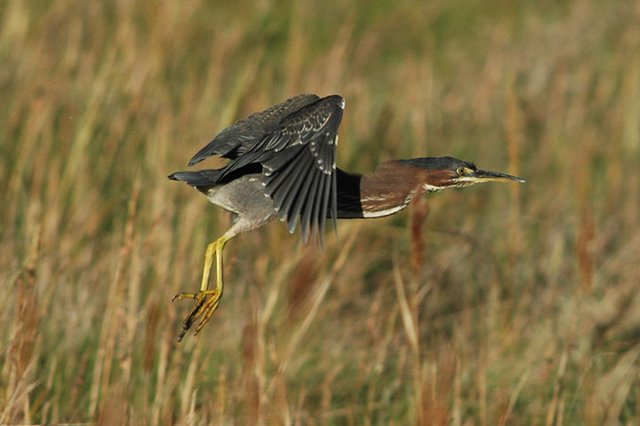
x: 430, y: 188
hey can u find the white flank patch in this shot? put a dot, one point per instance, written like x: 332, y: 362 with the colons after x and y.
x: 385, y: 212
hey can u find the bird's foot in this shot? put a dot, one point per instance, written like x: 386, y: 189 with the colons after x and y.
x: 206, y: 301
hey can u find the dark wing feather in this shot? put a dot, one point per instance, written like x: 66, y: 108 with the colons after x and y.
x: 299, y: 164
x: 235, y: 140
x: 307, y: 139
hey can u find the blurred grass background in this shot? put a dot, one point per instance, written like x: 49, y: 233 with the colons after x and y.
x: 508, y: 304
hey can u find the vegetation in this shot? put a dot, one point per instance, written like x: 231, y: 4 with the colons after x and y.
x: 499, y: 304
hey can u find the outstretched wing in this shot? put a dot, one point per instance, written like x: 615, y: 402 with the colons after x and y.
x: 233, y: 141
x: 299, y: 164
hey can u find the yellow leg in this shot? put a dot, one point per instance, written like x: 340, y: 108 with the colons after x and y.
x: 206, y: 300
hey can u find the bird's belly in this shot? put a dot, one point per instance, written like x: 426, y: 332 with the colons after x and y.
x: 246, y: 198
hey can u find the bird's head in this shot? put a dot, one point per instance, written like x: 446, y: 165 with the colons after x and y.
x: 437, y: 173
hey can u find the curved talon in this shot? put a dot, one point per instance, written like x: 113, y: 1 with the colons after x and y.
x: 205, y: 312
x: 181, y: 296
x: 206, y: 301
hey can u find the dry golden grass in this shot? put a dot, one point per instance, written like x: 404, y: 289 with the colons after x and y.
x: 501, y: 304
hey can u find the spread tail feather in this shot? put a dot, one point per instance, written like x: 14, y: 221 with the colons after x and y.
x: 198, y: 179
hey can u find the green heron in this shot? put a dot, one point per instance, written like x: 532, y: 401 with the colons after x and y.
x: 282, y: 165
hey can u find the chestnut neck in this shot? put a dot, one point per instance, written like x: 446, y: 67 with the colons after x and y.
x: 386, y: 191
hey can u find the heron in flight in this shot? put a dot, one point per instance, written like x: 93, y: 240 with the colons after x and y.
x: 283, y: 165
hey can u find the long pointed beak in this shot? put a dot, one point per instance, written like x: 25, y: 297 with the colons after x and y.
x: 487, y: 176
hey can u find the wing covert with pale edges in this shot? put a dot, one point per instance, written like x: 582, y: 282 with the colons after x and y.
x: 299, y: 165
x: 236, y: 139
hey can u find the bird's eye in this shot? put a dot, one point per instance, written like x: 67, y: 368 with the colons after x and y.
x: 460, y: 171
